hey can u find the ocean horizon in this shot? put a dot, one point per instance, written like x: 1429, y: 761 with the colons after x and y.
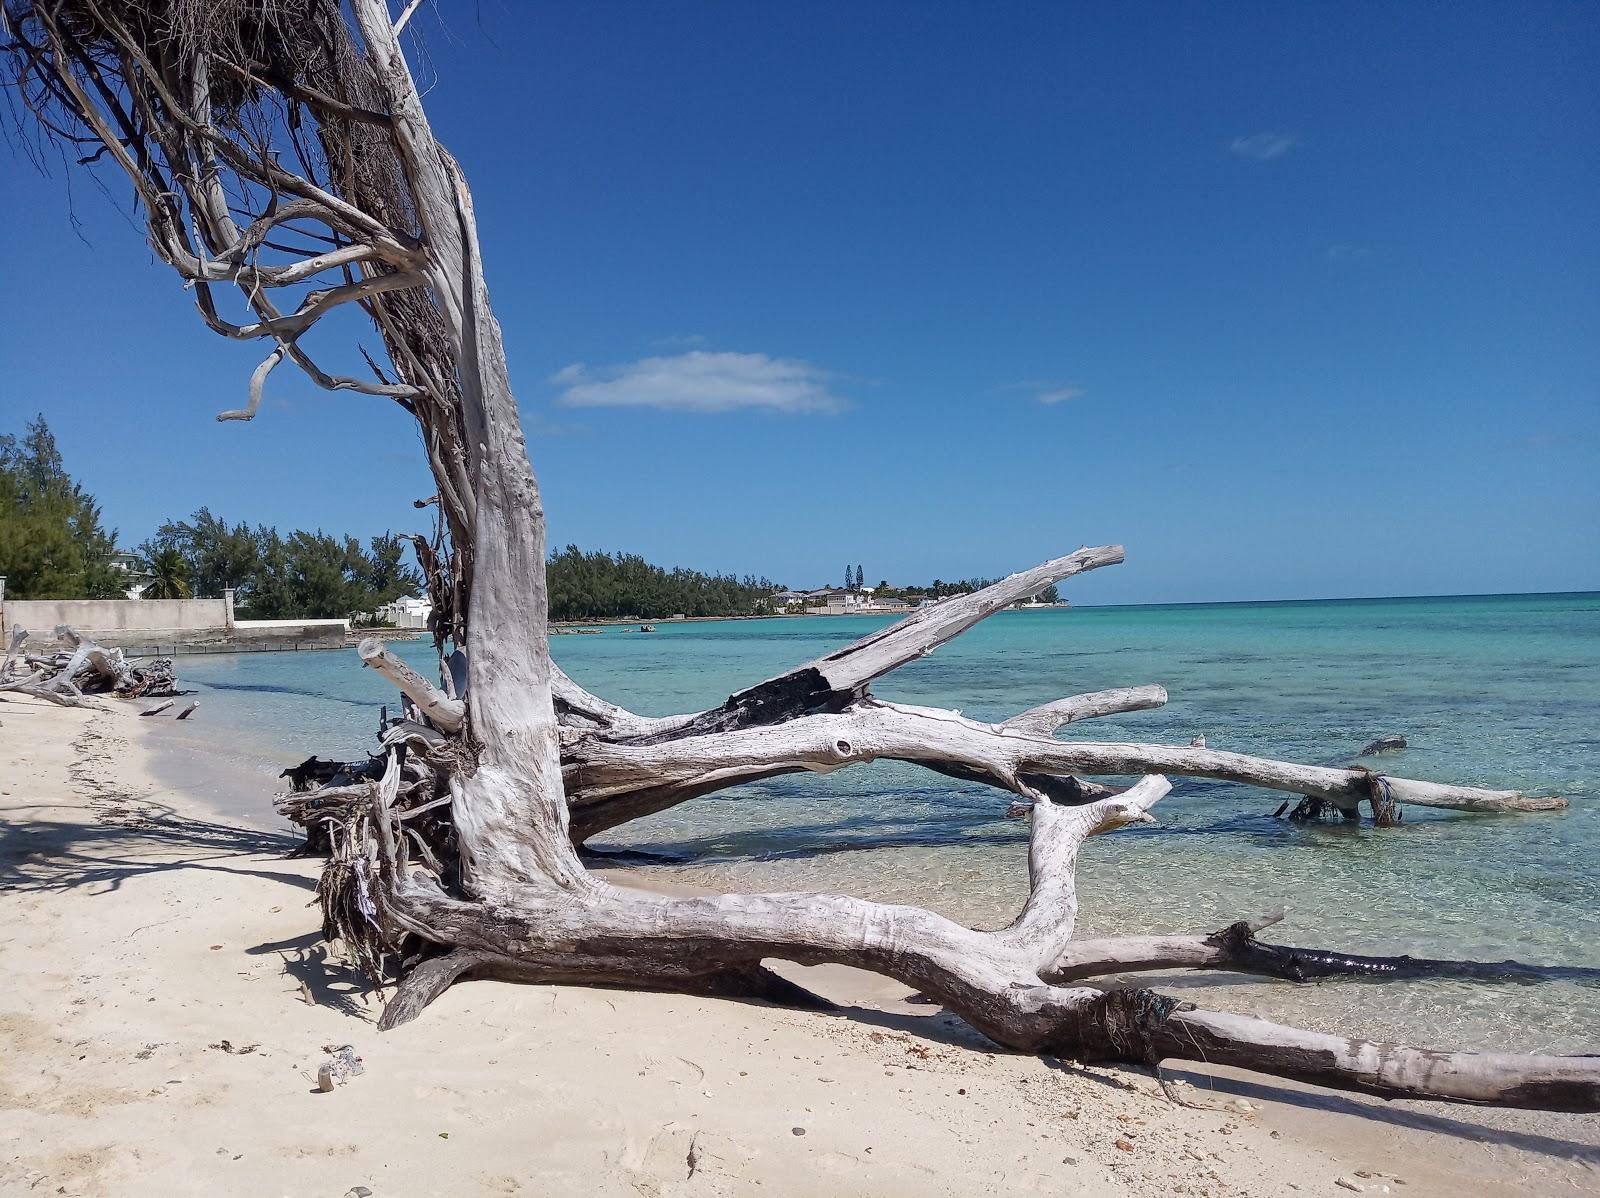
x: 1346, y: 599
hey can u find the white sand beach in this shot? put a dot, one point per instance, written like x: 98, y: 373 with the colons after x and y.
x: 168, y: 999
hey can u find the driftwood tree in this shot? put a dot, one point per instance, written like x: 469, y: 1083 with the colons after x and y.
x: 280, y: 154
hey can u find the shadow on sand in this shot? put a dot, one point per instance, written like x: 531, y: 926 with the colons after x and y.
x: 114, y: 839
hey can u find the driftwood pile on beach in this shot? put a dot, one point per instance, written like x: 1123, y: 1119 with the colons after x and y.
x: 69, y: 676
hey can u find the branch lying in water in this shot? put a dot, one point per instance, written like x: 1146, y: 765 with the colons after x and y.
x: 818, y: 717
x: 611, y: 782
x: 1236, y: 949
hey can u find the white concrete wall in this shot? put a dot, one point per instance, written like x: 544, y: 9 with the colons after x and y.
x: 40, y: 616
x: 245, y: 627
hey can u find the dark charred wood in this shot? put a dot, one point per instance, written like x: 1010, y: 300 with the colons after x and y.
x: 1241, y: 948
x: 313, y: 773
x: 1311, y: 810
x: 801, y: 692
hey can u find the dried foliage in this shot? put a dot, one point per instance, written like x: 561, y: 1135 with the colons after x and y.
x: 261, y: 159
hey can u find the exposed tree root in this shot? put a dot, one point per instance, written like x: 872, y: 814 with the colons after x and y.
x: 1007, y: 983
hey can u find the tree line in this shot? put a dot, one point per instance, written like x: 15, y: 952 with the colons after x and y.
x: 598, y: 585
x: 53, y: 545
x: 52, y: 542
x: 937, y: 589
x: 276, y: 576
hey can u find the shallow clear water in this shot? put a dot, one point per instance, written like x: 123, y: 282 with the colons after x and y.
x: 1498, y: 691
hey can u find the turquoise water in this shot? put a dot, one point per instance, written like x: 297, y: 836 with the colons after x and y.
x: 1500, y: 691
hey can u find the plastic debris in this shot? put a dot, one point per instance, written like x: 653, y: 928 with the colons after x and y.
x: 341, y: 1065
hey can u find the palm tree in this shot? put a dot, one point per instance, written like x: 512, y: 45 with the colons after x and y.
x: 169, y: 575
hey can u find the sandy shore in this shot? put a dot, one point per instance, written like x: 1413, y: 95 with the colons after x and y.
x: 168, y: 1000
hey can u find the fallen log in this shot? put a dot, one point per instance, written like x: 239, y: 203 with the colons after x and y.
x: 89, y: 669
x: 803, y: 706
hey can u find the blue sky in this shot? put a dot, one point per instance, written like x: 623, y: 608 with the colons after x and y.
x: 1292, y: 300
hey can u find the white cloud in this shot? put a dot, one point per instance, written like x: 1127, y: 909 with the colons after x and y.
x: 700, y: 381
x: 1264, y: 147
x: 1054, y: 395
x: 1550, y: 440
x: 1348, y: 251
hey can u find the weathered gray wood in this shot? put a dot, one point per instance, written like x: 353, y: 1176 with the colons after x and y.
x: 854, y: 666
x: 446, y: 713
x: 583, y: 713
x: 993, y: 979
x: 61, y: 698
x: 18, y: 638
x: 421, y: 734
x: 511, y: 815
x: 1046, y: 719
x: 75, y: 664
x: 609, y: 783
x: 1045, y: 926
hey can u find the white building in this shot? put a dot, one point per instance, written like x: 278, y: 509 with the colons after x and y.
x: 845, y: 602
x: 131, y: 567
x: 408, y: 611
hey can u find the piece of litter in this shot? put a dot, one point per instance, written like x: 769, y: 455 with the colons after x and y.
x: 342, y: 1064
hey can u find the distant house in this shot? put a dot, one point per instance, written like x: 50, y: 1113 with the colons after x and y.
x: 888, y: 605
x: 786, y: 598
x: 841, y: 603
x: 131, y: 567
x: 408, y: 611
